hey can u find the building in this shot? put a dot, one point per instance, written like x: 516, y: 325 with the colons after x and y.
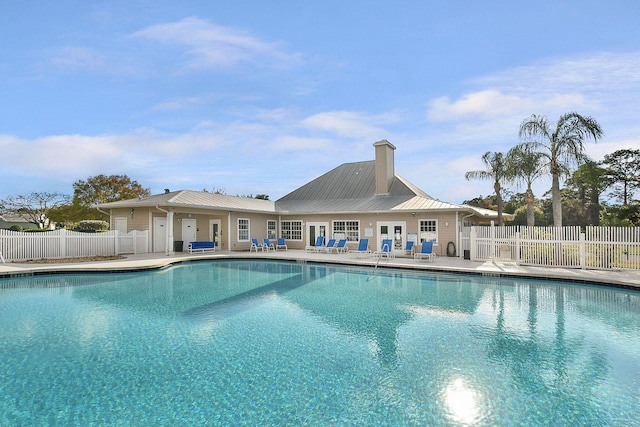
x: 353, y: 201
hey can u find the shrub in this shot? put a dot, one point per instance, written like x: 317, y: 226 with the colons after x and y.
x: 16, y: 227
x: 92, y: 225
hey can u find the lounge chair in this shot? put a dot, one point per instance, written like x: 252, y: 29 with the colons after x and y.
x: 319, y: 244
x: 340, y: 247
x: 386, y: 250
x: 426, y: 251
x: 281, y: 244
x: 408, y: 249
x: 363, y: 248
x: 255, y: 245
x: 267, y: 245
x: 330, y: 245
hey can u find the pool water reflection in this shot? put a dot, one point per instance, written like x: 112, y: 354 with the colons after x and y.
x: 248, y: 343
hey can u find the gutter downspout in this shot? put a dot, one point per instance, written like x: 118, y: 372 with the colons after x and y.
x: 169, y: 247
x: 106, y: 213
x: 463, y: 218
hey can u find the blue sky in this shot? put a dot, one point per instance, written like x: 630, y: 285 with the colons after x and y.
x: 257, y: 97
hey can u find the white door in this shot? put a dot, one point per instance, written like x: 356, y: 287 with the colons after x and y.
x: 315, y: 229
x: 394, y: 230
x: 159, y: 234
x: 189, y: 231
x: 121, y: 224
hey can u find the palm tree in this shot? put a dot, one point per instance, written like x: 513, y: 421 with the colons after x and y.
x: 498, y: 171
x: 526, y: 166
x: 560, y: 147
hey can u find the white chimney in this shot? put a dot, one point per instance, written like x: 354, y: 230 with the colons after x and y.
x: 384, y: 166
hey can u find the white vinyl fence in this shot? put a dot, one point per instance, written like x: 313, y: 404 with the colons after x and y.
x: 17, y: 245
x: 612, y: 248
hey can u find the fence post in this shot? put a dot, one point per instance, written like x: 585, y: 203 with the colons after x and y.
x: 63, y: 242
x: 492, y: 241
x: 583, y: 251
x: 517, y: 251
x: 472, y: 242
x: 135, y: 241
x: 116, y: 243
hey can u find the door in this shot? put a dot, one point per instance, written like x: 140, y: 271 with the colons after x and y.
x: 316, y: 229
x: 121, y: 224
x: 189, y: 231
x: 215, y: 233
x: 159, y: 234
x: 394, y: 230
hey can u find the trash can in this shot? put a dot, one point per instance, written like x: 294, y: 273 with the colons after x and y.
x: 177, y: 245
x: 467, y: 254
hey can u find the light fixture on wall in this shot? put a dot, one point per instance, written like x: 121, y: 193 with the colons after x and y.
x: 189, y: 215
x: 413, y: 214
x: 446, y: 224
x: 132, y: 210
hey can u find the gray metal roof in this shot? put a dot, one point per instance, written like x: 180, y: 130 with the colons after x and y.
x: 196, y: 199
x: 351, y: 187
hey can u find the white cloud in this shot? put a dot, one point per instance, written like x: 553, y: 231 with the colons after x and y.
x: 347, y: 124
x: 492, y: 103
x: 213, y: 46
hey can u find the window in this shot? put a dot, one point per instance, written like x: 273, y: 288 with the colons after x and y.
x: 271, y: 229
x: 350, y: 229
x: 291, y: 230
x: 243, y: 229
x: 428, y: 230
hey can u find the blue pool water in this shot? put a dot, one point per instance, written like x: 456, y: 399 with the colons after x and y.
x: 243, y: 343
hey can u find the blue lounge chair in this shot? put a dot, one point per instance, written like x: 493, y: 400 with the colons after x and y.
x: 363, y: 247
x: 386, y: 250
x: 426, y: 252
x: 255, y: 245
x: 281, y: 244
x: 330, y: 245
x: 267, y: 245
x: 340, y: 247
x: 408, y: 249
x: 319, y: 244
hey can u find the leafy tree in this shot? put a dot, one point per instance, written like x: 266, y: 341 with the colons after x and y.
x: 560, y: 146
x: 621, y: 216
x: 104, y: 189
x: 589, y: 182
x: 35, y: 207
x: 520, y: 216
x: 526, y: 167
x: 488, y: 202
x: 624, y: 170
x: 496, y: 170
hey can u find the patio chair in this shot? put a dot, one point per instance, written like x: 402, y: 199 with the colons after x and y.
x: 340, y: 247
x: 319, y: 244
x: 281, y: 244
x: 267, y: 245
x: 408, y: 249
x: 426, y: 252
x: 255, y: 245
x: 330, y: 245
x: 363, y: 248
x: 386, y: 250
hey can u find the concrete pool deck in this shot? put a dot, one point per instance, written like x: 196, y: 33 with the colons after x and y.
x: 620, y: 278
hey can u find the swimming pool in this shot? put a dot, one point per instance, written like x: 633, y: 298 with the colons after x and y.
x: 282, y: 343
